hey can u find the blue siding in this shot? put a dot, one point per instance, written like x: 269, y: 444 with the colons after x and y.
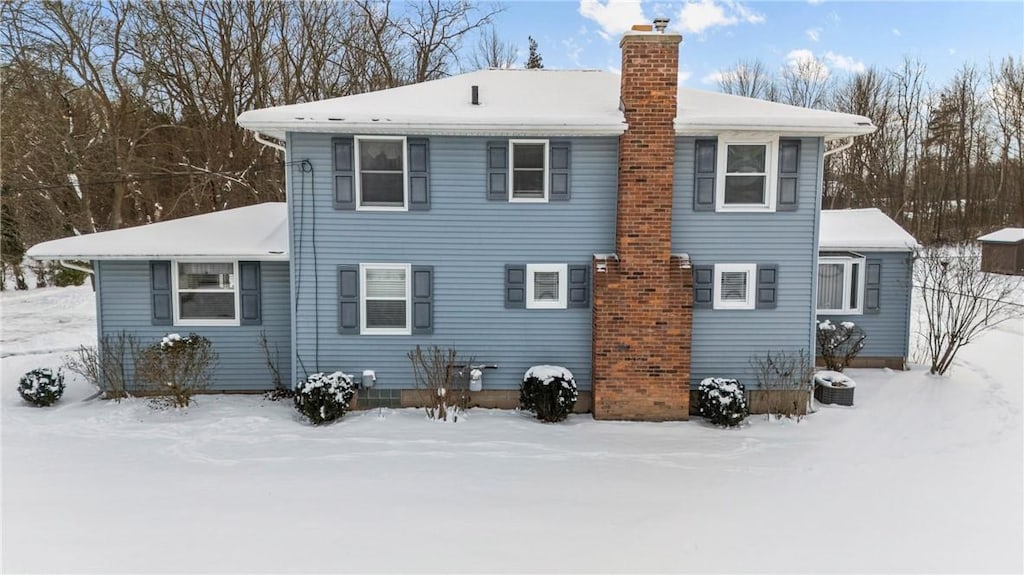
x: 724, y: 341
x: 123, y: 304
x: 468, y: 240
x: 888, y: 331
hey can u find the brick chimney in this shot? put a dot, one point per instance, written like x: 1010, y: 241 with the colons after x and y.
x: 643, y: 301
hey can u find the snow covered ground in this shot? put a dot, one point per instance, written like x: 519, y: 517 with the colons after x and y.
x: 924, y: 474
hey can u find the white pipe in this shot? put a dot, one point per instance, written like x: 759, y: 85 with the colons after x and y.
x: 839, y: 149
x: 76, y: 267
x: 266, y: 142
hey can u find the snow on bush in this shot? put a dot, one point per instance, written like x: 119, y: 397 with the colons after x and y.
x: 722, y: 401
x: 324, y: 397
x: 550, y: 391
x: 177, y: 367
x: 839, y: 344
x: 41, y: 387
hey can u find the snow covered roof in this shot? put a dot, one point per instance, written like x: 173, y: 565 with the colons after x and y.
x: 1004, y: 236
x: 865, y: 229
x: 258, y: 232
x: 536, y: 102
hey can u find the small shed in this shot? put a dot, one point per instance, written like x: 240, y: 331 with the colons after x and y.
x: 1002, y: 252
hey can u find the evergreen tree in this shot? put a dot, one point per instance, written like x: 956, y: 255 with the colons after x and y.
x: 534, y: 61
x: 12, y: 250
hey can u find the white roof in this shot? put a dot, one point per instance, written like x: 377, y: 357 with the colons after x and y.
x: 258, y: 232
x: 536, y: 102
x: 1004, y: 236
x: 865, y: 229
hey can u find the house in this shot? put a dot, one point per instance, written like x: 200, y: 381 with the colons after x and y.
x: 1002, y: 251
x: 643, y: 234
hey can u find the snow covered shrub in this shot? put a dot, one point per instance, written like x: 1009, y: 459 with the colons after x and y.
x: 550, y: 391
x: 324, y: 397
x: 177, y: 367
x: 722, y: 401
x: 41, y: 387
x: 839, y: 344
x: 440, y: 377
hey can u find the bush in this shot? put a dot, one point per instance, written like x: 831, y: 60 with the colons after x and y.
x: 41, y: 387
x: 439, y: 375
x: 106, y: 366
x: 177, y: 367
x: 61, y: 276
x: 722, y: 401
x: 550, y: 391
x: 324, y: 397
x: 839, y: 344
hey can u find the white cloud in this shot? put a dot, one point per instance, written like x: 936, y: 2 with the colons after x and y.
x: 845, y: 63
x: 813, y: 34
x: 684, y: 75
x: 614, y: 17
x: 952, y: 51
x: 802, y: 56
x: 815, y: 1
x: 700, y: 15
x: 713, y: 78
x: 572, y: 50
x: 896, y: 32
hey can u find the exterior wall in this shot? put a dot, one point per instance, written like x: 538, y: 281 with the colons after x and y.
x: 1002, y: 258
x: 888, y: 331
x: 123, y: 300
x: 468, y: 240
x: 724, y: 341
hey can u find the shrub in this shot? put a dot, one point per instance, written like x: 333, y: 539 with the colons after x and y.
x: 780, y: 374
x: 550, y: 391
x: 440, y: 376
x: 41, y: 387
x: 61, y: 276
x: 839, y: 344
x: 177, y: 367
x: 722, y: 401
x: 106, y: 365
x: 324, y: 397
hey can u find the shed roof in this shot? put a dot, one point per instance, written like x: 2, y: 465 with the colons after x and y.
x: 865, y: 229
x: 537, y: 102
x: 258, y: 232
x: 1004, y: 236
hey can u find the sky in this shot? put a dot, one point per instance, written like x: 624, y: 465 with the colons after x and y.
x: 844, y: 36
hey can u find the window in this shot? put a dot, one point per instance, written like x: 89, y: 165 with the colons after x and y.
x: 381, y: 173
x: 546, y: 286
x: 206, y: 293
x: 747, y: 172
x: 734, y: 286
x: 528, y: 178
x: 840, y: 284
x: 385, y: 301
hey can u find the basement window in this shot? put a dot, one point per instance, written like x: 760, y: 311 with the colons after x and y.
x: 528, y: 178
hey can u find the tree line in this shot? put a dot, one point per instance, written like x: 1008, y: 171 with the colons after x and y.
x: 945, y: 161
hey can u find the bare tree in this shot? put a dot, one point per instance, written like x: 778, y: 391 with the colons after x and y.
x: 749, y: 78
x: 805, y: 82
x: 493, y: 52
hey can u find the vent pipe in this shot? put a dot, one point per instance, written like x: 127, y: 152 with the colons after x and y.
x: 660, y: 24
x: 476, y: 95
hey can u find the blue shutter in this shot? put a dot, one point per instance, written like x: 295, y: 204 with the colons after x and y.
x: 419, y: 174
x: 767, y: 286
x: 789, y: 176
x: 704, y: 167
x: 249, y: 293
x: 344, y: 173
x: 348, y: 299
x: 703, y: 287
x: 873, y: 286
x: 515, y: 286
x: 422, y: 300
x: 160, y: 292
x: 497, y: 171
x: 560, y: 163
x: 579, y: 286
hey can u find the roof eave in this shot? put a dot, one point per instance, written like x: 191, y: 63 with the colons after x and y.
x: 584, y: 128
x: 828, y: 132
x: 266, y: 257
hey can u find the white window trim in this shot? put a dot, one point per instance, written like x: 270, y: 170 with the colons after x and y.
x: 359, y: 175
x: 563, y: 288
x: 176, y: 298
x: 512, y: 171
x: 751, y: 271
x: 847, y: 278
x: 362, y: 300
x: 771, y: 176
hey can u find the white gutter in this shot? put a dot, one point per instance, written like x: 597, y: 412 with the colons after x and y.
x: 839, y: 148
x: 259, y: 138
x: 76, y: 267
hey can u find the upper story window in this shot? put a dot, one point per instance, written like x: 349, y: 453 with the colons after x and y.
x: 385, y: 301
x: 381, y: 173
x: 546, y: 286
x: 734, y: 286
x: 747, y: 171
x: 206, y: 293
x: 528, y: 176
x: 840, y: 285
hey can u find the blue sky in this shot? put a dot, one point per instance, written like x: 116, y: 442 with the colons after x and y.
x: 844, y: 36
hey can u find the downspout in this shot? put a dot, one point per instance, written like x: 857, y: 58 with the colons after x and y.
x: 271, y: 144
x: 840, y: 148
x: 76, y: 267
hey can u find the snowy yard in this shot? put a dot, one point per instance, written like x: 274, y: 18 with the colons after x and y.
x: 924, y: 474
